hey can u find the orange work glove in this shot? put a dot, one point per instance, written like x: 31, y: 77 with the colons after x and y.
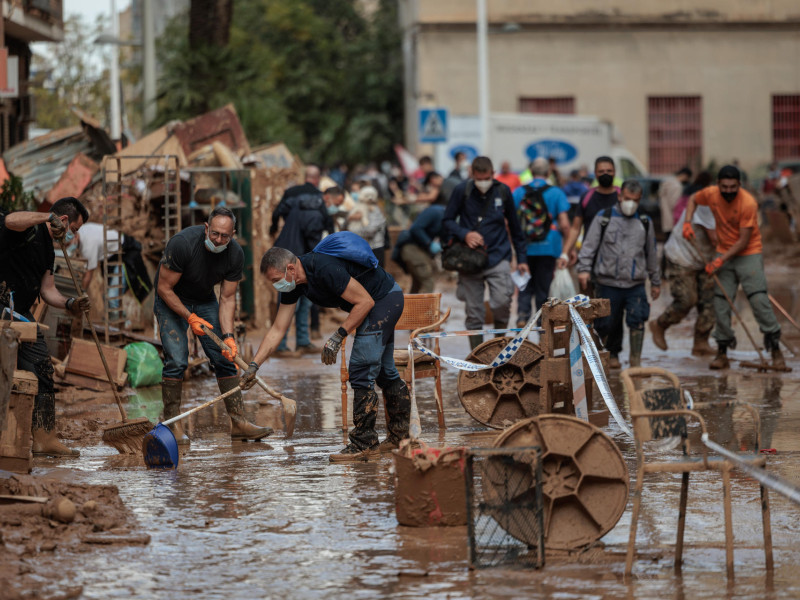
x: 688, y: 231
x: 233, y: 350
x: 714, y: 265
x: 197, y: 323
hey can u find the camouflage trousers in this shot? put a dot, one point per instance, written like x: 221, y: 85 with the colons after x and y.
x: 689, y: 288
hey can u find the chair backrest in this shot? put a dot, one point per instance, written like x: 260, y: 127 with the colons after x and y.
x: 419, y: 310
x: 653, y: 399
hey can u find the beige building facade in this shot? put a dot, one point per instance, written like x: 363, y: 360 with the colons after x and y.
x: 683, y: 81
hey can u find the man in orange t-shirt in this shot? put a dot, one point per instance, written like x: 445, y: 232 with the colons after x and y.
x: 507, y: 176
x: 738, y: 262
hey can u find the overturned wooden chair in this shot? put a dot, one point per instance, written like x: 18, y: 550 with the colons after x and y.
x: 660, y: 413
x: 422, y: 313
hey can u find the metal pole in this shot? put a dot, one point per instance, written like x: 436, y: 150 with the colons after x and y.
x: 483, y: 76
x: 116, y: 111
x: 149, y: 63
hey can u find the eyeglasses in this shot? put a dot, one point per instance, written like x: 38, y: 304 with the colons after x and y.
x: 222, y: 236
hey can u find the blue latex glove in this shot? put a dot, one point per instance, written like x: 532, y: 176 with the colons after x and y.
x: 435, y: 247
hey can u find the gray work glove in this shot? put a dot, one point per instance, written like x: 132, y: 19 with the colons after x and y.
x: 248, y: 378
x: 77, y: 306
x: 332, y: 346
x: 57, y: 227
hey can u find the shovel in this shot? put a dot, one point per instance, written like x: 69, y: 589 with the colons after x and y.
x: 160, y: 448
x: 289, y: 405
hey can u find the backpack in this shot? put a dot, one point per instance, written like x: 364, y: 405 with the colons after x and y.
x: 348, y: 246
x: 605, y: 217
x: 533, y: 214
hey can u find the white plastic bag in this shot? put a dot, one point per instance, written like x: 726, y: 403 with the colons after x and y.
x: 562, y: 286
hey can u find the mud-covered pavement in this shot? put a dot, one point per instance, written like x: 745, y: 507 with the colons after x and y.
x: 277, y: 520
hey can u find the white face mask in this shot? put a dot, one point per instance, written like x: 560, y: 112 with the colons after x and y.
x: 483, y: 185
x: 628, y: 207
x: 284, y: 285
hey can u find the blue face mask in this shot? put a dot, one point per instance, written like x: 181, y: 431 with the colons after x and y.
x: 333, y: 209
x: 283, y: 285
x: 215, y: 249
x: 69, y: 236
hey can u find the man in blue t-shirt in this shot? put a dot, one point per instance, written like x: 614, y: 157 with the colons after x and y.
x: 542, y: 255
x: 195, y: 260
x: 374, y: 302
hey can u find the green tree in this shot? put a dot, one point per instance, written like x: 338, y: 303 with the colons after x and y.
x: 70, y: 73
x: 320, y: 75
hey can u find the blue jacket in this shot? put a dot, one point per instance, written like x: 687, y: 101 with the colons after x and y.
x: 462, y: 213
x: 426, y: 227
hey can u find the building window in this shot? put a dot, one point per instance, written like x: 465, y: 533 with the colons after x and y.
x: 548, y: 106
x: 675, y: 132
x: 785, y: 126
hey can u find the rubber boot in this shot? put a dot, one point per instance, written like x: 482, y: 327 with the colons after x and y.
x: 613, y: 362
x: 43, y: 429
x: 772, y: 342
x: 636, y: 339
x: 363, y: 439
x: 657, y: 330
x: 701, y: 347
x: 398, y: 409
x: 500, y: 325
x: 475, y: 341
x: 171, y: 390
x: 721, y: 359
x: 241, y: 428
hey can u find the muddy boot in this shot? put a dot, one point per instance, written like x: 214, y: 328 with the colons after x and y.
x: 636, y: 339
x: 43, y: 428
x: 657, y: 331
x: 701, y: 347
x: 363, y: 439
x: 241, y: 428
x: 171, y: 396
x: 398, y: 409
x: 475, y: 341
x: 721, y: 359
x: 613, y: 362
x: 772, y: 342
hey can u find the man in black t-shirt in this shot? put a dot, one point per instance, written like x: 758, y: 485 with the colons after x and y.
x: 26, y: 273
x: 195, y: 260
x: 596, y: 200
x: 375, y: 303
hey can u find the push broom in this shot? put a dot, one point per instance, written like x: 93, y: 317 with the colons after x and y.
x: 126, y: 437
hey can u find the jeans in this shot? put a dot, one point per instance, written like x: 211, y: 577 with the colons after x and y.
x: 538, y: 288
x: 35, y: 357
x: 372, y: 357
x: 301, y: 313
x: 175, y: 342
x: 630, y: 301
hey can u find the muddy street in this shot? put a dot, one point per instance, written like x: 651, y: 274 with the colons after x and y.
x: 276, y: 519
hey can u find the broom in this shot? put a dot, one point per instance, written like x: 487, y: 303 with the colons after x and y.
x: 126, y: 437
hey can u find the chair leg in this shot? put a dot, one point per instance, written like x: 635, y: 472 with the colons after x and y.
x: 439, y: 400
x: 637, y: 500
x: 681, y: 521
x: 765, y: 522
x: 726, y: 501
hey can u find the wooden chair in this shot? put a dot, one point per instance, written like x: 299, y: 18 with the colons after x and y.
x: 659, y: 413
x: 421, y: 314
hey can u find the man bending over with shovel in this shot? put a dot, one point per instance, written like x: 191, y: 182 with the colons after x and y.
x: 195, y: 260
x: 27, y: 259
x: 375, y: 303
x: 738, y: 262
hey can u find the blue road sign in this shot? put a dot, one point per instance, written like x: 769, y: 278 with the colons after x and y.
x: 432, y: 125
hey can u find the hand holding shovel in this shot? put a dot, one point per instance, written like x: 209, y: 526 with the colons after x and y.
x: 289, y: 405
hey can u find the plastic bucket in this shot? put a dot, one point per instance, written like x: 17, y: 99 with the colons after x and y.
x: 160, y: 449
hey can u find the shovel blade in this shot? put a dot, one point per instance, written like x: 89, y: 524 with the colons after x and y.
x: 160, y: 449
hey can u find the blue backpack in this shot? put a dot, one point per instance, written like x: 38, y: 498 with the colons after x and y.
x: 348, y: 246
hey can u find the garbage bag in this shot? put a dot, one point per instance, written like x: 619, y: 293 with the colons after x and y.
x: 144, y: 364
x: 562, y: 286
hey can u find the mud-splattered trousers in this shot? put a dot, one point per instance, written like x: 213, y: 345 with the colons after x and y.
x: 471, y: 288
x: 175, y: 342
x: 371, y: 362
x: 689, y: 288
x: 747, y: 271
x: 35, y: 357
x: 630, y: 302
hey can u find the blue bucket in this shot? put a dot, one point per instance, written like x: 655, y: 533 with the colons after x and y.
x: 160, y: 448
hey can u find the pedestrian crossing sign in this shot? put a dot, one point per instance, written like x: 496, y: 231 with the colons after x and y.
x: 432, y: 125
